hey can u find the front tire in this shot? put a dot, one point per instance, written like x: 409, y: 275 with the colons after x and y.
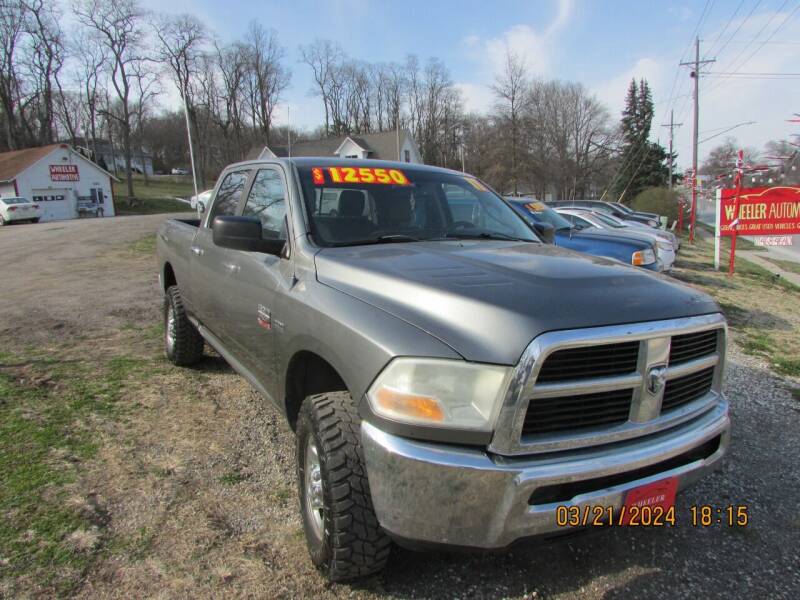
x: 183, y: 344
x: 343, y: 535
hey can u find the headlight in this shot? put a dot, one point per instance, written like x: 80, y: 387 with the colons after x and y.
x: 439, y: 392
x: 643, y: 257
x: 652, y: 223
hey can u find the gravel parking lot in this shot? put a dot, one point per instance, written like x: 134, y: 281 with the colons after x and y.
x: 194, y: 475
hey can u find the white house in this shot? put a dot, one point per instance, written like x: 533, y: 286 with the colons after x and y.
x: 385, y: 145
x: 64, y: 183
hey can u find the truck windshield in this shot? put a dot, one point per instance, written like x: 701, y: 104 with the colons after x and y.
x: 545, y: 214
x: 351, y: 205
x: 608, y: 219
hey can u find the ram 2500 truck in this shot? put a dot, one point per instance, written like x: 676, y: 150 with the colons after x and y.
x: 451, y: 379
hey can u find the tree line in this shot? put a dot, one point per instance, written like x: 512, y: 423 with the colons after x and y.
x: 110, y: 75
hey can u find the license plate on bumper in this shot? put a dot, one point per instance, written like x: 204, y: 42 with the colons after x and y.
x: 655, y: 495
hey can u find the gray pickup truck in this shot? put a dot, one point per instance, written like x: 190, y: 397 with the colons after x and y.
x: 451, y: 379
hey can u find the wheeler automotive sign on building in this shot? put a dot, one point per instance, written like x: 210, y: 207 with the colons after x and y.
x: 63, y: 182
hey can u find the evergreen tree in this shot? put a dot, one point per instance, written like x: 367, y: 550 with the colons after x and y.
x: 643, y: 163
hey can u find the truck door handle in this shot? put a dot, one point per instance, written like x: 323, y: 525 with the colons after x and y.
x: 232, y: 267
x: 197, y: 250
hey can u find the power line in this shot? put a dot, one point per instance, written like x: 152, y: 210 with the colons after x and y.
x: 644, y: 143
x: 695, y: 130
x: 746, y: 60
x: 724, y: 29
x: 731, y: 128
x: 733, y: 35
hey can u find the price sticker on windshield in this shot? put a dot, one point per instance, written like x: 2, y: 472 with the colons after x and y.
x: 476, y: 184
x: 369, y: 175
x: 536, y: 207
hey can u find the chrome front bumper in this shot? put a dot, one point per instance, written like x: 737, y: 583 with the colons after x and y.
x: 464, y: 497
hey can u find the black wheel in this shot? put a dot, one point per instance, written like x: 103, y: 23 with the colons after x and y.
x: 342, y: 532
x: 183, y: 344
x: 36, y: 220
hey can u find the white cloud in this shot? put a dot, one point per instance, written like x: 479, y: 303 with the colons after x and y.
x: 477, y: 97
x: 723, y: 102
x: 532, y: 46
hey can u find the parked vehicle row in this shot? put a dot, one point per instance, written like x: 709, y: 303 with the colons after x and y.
x: 18, y: 209
x: 451, y: 378
x: 616, y: 209
x: 591, y: 221
x: 640, y: 251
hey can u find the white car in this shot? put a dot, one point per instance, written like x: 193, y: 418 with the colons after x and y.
x: 18, y: 209
x: 200, y: 202
x: 179, y: 171
x: 664, y: 240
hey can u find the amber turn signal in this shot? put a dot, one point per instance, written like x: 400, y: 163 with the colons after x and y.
x: 420, y: 407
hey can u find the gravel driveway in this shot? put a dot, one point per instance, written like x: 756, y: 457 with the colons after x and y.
x: 206, y: 470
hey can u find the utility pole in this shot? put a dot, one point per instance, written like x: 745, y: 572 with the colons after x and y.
x: 695, y: 64
x: 191, y: 150
x: 672, y: 125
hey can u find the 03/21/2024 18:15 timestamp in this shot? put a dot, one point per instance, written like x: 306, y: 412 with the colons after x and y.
x: 703, y: 515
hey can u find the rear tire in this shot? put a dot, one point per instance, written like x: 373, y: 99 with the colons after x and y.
x: 343, y: 535
x: 183, y: 344
x: 36, y: 220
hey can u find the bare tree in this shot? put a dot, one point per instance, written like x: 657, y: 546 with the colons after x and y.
x: 91, y: 60
x: 12, y: 25
x: 266, y: 77
x: 512, y: 90
x: 118, y: 26
x: 323, y: 56
x: 182, y: 49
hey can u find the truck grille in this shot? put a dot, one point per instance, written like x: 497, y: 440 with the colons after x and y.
x: 575, y: 387
x: 589, y: 362
x: 546, y: 415
x: 684, y: 389
x: 690, y: 346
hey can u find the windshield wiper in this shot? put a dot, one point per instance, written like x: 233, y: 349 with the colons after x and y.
x: 393, y: 238
x: 484, y: 236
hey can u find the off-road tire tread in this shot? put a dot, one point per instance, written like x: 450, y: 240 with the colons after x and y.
x: 358, y: 545
x: 189, y: 344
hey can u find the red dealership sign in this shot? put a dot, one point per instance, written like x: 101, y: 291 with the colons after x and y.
x: 64, y: 173
x: 761, y: 211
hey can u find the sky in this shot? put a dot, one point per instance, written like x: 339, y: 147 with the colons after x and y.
x: 601, y: 45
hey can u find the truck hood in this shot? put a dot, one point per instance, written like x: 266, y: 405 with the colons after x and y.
x: 487, y: 300
x: 622, y: 236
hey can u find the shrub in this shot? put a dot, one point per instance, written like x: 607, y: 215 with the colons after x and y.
x: 660, y: 200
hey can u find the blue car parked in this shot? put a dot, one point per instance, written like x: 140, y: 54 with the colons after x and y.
x: 597, y: 243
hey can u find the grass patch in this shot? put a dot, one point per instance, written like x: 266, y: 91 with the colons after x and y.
x: 758, y: 344
x: 157, y: 196
x: 787, y: 265
x: 788, y: 366
x: 795, y: 392
x: 233, y: 478
x: 761, y: 308
x: 151, y: 207
x: 146, y: 245
x: 47, y: 409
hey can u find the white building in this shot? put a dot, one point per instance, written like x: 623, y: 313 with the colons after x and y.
x: 64, y: 183
x: 385, y: 145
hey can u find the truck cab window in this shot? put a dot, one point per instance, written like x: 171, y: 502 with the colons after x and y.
x: 228, y: 195
x: 267, y: 201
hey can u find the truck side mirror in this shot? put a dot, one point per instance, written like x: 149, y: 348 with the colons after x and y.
x: 244, y: 233
x: 545, y: 231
